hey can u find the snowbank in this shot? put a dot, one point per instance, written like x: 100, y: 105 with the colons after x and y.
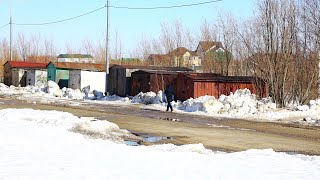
x: 242, y: 102
x: 148, y: 98
x: 88, y: 126
x: 38, y: 145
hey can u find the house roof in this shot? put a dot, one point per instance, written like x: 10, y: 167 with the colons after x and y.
x: 75, y: 56
x: 206, y: 45
x: 24, y: 64
x: 180, y: 51
x: 153, y: 68
x: 79, y: 66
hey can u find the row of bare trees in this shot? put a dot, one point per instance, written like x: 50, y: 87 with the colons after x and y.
x: 280, y: 44
x: 283, y: 43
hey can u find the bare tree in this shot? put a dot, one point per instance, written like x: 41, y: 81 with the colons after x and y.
x: 312, y: 16
x: 166, y: 37
x: 228, y: 30
x: 276, y: 43
x: 87, y: 46
x: 117, y: 49
x: 23, y: 46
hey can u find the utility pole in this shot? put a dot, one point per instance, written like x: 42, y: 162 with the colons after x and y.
x: 107, y: 48
x: 319, y: 73
x: 10, y: 31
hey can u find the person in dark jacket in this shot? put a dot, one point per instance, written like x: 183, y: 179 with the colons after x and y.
x: 170, y: 96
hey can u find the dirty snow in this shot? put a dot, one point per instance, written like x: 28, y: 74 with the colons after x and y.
x: 43, y: 145
x: 241, y: 104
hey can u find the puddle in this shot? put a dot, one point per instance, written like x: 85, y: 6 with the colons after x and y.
x: 290, y: 152
x: 228, y: 127
x: 146, y: 139
x: 154, y: 139
x: 170, y: 119
x: 132, y: 143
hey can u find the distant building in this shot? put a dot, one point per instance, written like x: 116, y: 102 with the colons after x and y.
x: 184, y: 57
x: 77, y: 58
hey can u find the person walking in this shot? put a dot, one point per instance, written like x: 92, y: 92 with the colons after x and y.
x: 170, y: 96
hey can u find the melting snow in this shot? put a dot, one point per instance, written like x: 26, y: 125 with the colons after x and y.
x: 43, y: 145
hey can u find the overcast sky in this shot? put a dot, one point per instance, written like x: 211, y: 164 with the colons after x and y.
x: 131, y: 25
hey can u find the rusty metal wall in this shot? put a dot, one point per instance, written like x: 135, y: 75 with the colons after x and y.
x: 159, y: 81
x: 146, y: 81
x: 188, y: 87
x: 139, y: 83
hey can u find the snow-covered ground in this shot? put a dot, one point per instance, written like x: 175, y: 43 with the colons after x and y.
x: 38, y: 144
x: 242, y: 104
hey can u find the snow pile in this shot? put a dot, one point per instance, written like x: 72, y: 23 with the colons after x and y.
x: 3, y: 88
x: 241, y: 102
x: 63, y: 120
x: 102, y: 130
x: 116, y: 98
x: 148, y: 98
x: 312, y: 105
x: 54, y: 89
x: 206, y: 104
x: 88, y: 126
x: 72, y: 93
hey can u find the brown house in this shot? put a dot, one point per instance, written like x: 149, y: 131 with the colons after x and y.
x: 199, y: 84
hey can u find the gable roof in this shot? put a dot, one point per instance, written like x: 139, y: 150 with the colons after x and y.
x: 206, y: 45
x: 75, y: 56
x: 24, y: 64
x: 180, y: 51
x: 79, y: 66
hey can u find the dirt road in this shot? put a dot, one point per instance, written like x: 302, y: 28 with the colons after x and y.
x: 219, y: 134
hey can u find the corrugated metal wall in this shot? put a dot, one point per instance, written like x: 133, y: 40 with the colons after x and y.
x: 188, y: 87
x: 117, y: 82
x: 142, y: 81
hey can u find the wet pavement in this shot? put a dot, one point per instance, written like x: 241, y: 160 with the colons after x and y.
x: 159, y: 126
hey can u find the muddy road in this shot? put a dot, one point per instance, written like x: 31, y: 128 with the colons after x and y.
x: 215, y: 133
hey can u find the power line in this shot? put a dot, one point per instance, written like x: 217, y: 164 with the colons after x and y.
x: 59, y: 21
x: 4, y: 25
x: 116, y: 7
x: 164, y: 7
